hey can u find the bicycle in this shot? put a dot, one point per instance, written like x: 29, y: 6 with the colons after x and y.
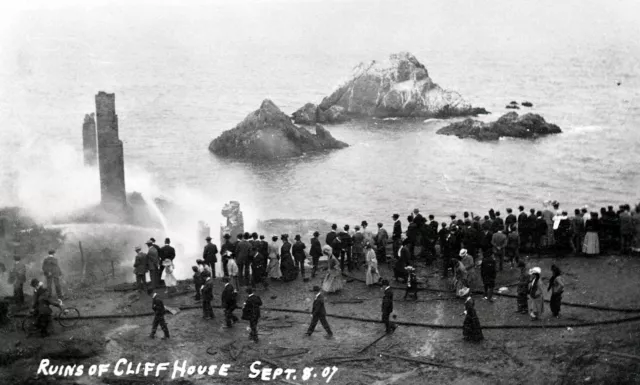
x: 66, y: 317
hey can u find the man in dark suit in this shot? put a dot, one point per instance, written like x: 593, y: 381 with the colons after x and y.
x: 209, y: 255
x: 396, y: 235
x: 207, y: 295
x: 264, y: 247
x: 509, y: 221
x: 318, y: 313
x: 299, y: 256
x: 331, y: 235
x: 160, y: 257
x: 242, y: 259
x: 226, y: 246
x: 153, y: 264
x: 346, y: 241
x: 252, y: 305
x: 42, y: 306
x: 158, y: 319
x: 140, y: 267
x: 259, y: 267
x: 523, y: 228
x: 229, y: 304
x: 167, y: 251
x: 315, y: 252
x: 387, y: 307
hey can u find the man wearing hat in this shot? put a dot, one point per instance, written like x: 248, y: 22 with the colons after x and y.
x: 158, y: 318
x: 315, y: 252
x: 242, y: 259
x: 42, y: 306
x: 52, y: 272
x: 358, y: 247
x: 226, y: 246
x: 207, y: 295
x: 396, y: 235
x: 166, y: 252
x: 382, y: 237
x: 263, y: 246
x: 153, y: 265
x: 210, y: 255
x: 387, y: 307
x: 19, y: 276
x: 499, y: 243
x: 299, y: 256
x: 331, y: 235
x: 229, y: 302
x: 160, y: 256
x: 140, y: 269
x: 251, y: 313
x: 318, y: 313
x: 345, y: 254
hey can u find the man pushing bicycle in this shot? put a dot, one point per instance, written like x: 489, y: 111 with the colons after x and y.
x: 42, y: 306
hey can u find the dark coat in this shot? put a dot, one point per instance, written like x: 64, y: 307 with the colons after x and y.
x: 157, y: 306
x: 330, y: 237
x: 412, y: 232
x: 397, y: 230
x: 242, y: 251
x: 318, y: 306
x: 298, y: 251
x: 523, y: 221
x: 168, y: 252
x: 50, y: 267
x: 209, y: 253
x: 264, y: 248
x: 226, y: 246
x: 253, y: 304
x: 541, y: 226
x: 488, y: 271
x: 316, y: 248
x: 229, y: 297
x: 140, y: 264
x: 509, y: 220
x: 346, y: 240
x: 207, y: 290
x: 498, y: 224
x: 387, y: 301
x: 153, y: 260
x: 336, y: 246
x: 159, y: 250
x: 259, y: 265
x: 42, y: 301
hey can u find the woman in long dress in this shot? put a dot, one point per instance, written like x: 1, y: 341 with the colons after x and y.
x: 591, y: 243
x: 274, y: 259
x: 333, y: 281
x: 460, y: 277
x: 556, y: 286
x: 471, y: 329
x: 169, y: 279
x: 287, y: 266
x: 536, y: 298
x: 372, y: 275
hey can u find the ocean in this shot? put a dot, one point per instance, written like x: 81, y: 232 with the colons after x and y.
x: 183, y: 74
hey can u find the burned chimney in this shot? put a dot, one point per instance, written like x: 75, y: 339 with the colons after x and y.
x: 89, y: 140
x: 110, y: 154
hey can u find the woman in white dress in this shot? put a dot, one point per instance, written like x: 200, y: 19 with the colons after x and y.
x: 274, y: 259
x: 169, y: 279
x: 333, y: 281
x: 372, y: 275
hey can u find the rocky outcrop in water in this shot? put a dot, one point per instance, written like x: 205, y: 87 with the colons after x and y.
x: 397, y: 87
x: 268, y: 133
x: 528, y: 126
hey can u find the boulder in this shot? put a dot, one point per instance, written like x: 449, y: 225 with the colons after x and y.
x: 306, y: 114
x: 527, y: 126
x: 268, y: 133
x: 310, y: 114
x: 397, y: 87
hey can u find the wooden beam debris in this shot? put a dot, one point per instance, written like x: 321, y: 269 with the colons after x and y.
x: 433, y: 363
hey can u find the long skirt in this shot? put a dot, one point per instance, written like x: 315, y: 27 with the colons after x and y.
x: 333, y: 281
x: 554, y: 303
x: 288, y: 269
x: 471, y: 329
x: 536, y: 306
x: 274, y: 268
x: 522, y: 301
x: 548, y: 238
x: 372, y: 276
x: 591, y: 243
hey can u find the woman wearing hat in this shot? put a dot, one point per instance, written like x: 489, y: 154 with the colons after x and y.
x: 332, y: 282
x: 287, y: 266
x: 536, y: 298
x: 372, y: 275
x: 471, y: 329
x: 274, y: 259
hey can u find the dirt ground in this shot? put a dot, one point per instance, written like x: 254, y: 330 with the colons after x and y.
x: 569, y: 354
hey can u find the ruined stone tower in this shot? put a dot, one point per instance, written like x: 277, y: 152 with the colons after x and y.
x: 110, y: 154
x: 89, y: 140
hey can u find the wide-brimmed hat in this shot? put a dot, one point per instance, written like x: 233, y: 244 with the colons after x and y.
x: 148, y: 243
x: 535, y: 270
x: 51, y: 252
x: 137, y: 248
x: 316, y: 233
x: 226, y: 236
x: 464, y: 291
x: 463, y: 253
x: 207, y: 239
x: 327, y: 249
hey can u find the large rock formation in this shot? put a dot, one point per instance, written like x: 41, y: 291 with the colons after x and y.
x: 268, y: 133
x: 235, y: 220
x: 397, y: 87
x: 110, y: 154
x: 528, y: 126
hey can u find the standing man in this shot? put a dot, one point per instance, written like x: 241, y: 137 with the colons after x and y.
x: 396, y: 235
x: 443, y: 237
x: 153, y: 264
x: 259, y: 268
x: 499, y: 243
x: 299, y: 256
x: 523, y: 228
x: 42, y: 307
x: 52, y: 272
x: 510, y: 220
x: 381, y: 242
x: 387, y: 307
x: 264, y: 247
x: 627, y: 229
x: 242, y: 259
x: 209, y: 254
x: 251, y: 312
x: 158, y: 319
x: 346, y: 241
x: 167, y: 251
x: 207, y: 296
x: 19, y: 277
x: 315, y: 252
x: 577, y: 229
x: 318, y: 313
x: 358, y: 247
x: 160, y: 258
x: 140, y: 269
x: 226, y: 246
x: 331, y: 235
x: 229, y: 304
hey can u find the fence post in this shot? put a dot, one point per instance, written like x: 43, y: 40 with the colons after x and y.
x: 84, y: 266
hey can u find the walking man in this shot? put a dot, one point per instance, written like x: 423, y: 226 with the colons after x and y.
x: 209, y: 255
x: 251, y: 313
x: 140, y: 269
x: 52, y: 272
x: 229, y: 304
x: 318, y: 313
x: 387, y: 307
x: 207, y: 296
x: 158, y: 319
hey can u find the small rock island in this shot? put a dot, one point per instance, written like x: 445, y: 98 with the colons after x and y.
x: 397, y: 87
x: 527, y: 126
x: 268, y: 133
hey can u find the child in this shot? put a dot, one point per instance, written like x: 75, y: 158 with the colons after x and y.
x: 412, y: 283
x: 232, y: 268
x: 197, y: 280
